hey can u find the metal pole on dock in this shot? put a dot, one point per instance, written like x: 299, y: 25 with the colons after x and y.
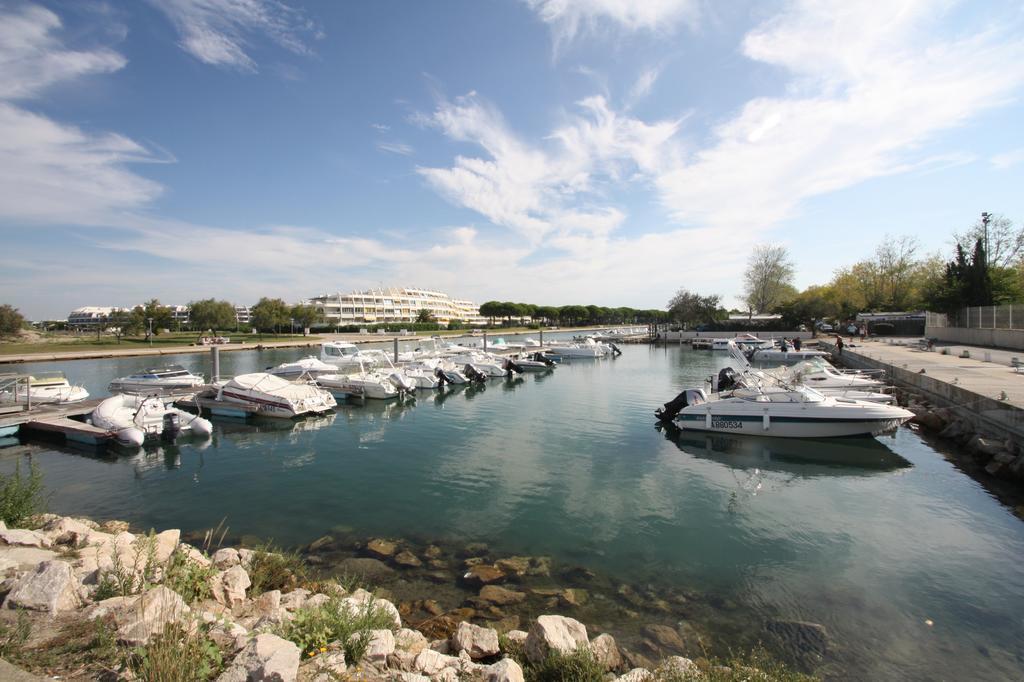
x: 215, y: 358
x: 485, y: 342
x: 542, y: 337
x: 396, y: 350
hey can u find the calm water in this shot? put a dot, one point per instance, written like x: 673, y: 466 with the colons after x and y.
x: 571, y: 465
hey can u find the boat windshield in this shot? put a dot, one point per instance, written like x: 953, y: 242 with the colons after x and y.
x: 809, y: 394
x: 340, y: 351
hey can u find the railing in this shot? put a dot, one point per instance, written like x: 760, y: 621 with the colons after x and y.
x: 982, y: 317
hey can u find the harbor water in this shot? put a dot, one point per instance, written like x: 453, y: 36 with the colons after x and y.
x: 912, y: 567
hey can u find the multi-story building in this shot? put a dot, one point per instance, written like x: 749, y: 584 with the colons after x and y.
x: 394, y: 305
x: 90, y: 317
x: 243, y: 315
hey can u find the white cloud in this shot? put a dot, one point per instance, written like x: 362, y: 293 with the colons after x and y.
x: 395, y: 148
x: 32, y: 59
x: 644, y: 83
x: 51, y: 172
x: 217, y: 32
x: 568, y: 17
x: 871, y: 83
x: 1008, y: 159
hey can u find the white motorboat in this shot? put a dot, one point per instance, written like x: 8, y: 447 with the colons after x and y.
x: 588, y: 348
x: 744, y: 341
x: 134, y: 417
x: 775, y: 355
x: 274, y: 397
x: 157, y: 379
x: 309, y: 366
x: 347, y: 356
x: 46, y: 387
x: 755, y: 407
x: 536, y: 362
x: 368, y: 384
x: 821, y: 374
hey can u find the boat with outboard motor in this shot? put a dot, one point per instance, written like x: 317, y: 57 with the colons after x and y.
x: 157, y: 380
x: 273, y: 396
x: 132, y: 418
x: 751, y: 403
x: 347, y: 356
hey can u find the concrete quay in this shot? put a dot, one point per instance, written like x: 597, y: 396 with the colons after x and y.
x: 989, y: 395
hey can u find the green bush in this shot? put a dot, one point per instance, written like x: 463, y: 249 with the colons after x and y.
x: 273, y: 568
x: 21, y: 498
x: 121, y: 580
x: 578, y: 666
x: 178, y: 654
x: 187, y: 578
x: 314, y: 628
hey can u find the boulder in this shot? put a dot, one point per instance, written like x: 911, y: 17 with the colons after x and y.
x: 51, y: 587
x: 228, y: 587
x: 520, y: 566
x: 194, y: 556
x: 573, y: 596
x: 637, y: 675
x: 500, y: 595
x: 328, y: 666
x: 407, y: 559
x: 478, y: 642
x: 265, y: 657
x: 226, y: 558
x: 676, y: 667
x: 410, y: 641
x: 24, y: 558
x: 927, y: 418
x: 139, y: 618
x: 517, y: 637
x: 17, y: 537
x: 430, y: 662
x: 165, y: 543
x: 370, y: 570
x: 380, y: 646
x: 246, y: 556
x: 665, y: 637
x: 484, y: 574
x: 67, y: 531
x: 321, y: 543
x: 294, y: 600
x: 230, y: 637
x: 606, y: 652
x: 433, y: 552
x: 554, y: 633
x: 505, y: 670
x: 380, y: 548
x: 114, y: 527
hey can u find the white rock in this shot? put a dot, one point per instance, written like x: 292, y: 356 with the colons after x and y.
x: 478, y: 642
x: 64, y: 531
x: 446, y: 675
x: 380, y: 646
x: 517, y: 636
x: 391, y: 609
x: 430, y: 662
x: 24, y: 558
x: 361, y: 596
x: 411, y: 641
x: 637, y: 675
x: 331, y: 665
x: 409, y: 677
x: 295, y: 599
x: 316, y: 600
x: 554, y: 633
x: 678, y: 666
x: 226, y: 558
x: 606, y: 652
x: 228, y: 587
x: 51, y: 587
x: 148, y: 613
x: 24, y: 538
x: 229, y: 636
x: 246, y: 556
x: 265, y: 657
x: 505, y: 670
x: 165, y: 543
x: 194, y: 555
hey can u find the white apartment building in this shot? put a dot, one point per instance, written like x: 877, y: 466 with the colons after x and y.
x: 395, y: 305
x: 88, y: 317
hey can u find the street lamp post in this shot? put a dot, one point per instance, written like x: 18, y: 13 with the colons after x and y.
x: 985, y: 217
x: 149, y: 321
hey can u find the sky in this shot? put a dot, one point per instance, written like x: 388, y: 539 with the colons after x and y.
x: 554, y: 152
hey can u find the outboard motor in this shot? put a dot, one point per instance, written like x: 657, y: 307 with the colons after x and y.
x: 474, y: 374
x: 442, y: 378
x: 511, y: 367
x: 402, y: 383
x: 615, y: 349
x: 728, y: 379
x: 172, y: 425
x: 540, y: 357
x: 669, y: 411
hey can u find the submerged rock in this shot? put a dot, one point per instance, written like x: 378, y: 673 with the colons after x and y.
x: 407, y: 559
x: 484, y: 574
x: 500, y: 595
x: 665, y: 637
x: 805, y: 642
x: 380, y: 548
x: 371, y: 570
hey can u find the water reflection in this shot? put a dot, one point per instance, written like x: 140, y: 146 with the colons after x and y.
x: 805, y: 457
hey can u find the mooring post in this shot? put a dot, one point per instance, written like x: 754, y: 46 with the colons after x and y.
x: 542, y: 338
x: 485, y: 342
x: 215, y: 358
x: 396, y: 350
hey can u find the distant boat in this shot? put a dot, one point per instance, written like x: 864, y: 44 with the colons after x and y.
x: 309, y: 366
x: 170, y: 378
x: 47, y: 387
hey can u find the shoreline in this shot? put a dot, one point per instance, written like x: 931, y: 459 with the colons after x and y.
x: 63, y: 567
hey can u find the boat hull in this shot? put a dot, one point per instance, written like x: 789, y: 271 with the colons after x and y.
x: 784, y: 426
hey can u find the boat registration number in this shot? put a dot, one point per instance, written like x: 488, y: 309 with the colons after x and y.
x: 726, y: 424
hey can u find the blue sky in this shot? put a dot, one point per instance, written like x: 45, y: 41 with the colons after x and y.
x: 551, y: 151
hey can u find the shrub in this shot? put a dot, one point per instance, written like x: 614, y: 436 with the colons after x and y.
x: 178, y: 654
x: 578, y: 666
x: 314, y: 628
x: 187, y: 578
x: 21, y: 498
x: 272, y: 568
x: 121, y: 580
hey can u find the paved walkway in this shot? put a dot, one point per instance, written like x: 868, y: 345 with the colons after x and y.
x: 989, y: 379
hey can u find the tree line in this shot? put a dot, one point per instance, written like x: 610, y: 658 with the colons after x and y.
x: 508, y: 313
x: 986, y: 267
x: 211, y: 315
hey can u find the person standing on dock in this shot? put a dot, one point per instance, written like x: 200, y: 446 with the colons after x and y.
x: 839, y: 344
x: 797, y: 343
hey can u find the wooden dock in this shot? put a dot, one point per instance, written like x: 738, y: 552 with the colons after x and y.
x: 54, y: 418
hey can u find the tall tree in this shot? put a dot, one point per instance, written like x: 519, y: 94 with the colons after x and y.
x: 211, y: 314
x: 1003, y: 242
x: 895, y: 266
x: 690, y: 308
x: 769, y: 273
x: 158, y: 316
x: 424, y: 317
x: 305, y: 315
x: 270, y: 314
x: 126, y: 322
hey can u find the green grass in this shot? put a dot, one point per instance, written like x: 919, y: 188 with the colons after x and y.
x: 578, y: 666
x: 14, y: 635
x: 21, y: 497
x: 122, y: 580
x: 61, y: 343
x: 88, y: 648
x: 178, y: 654
x: 273, y: 568
x: 187, y: 578
x: 314, y: 628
